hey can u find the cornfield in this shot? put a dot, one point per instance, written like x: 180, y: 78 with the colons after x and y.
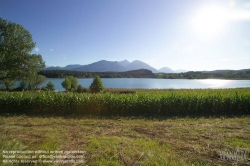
x: 141, y: 103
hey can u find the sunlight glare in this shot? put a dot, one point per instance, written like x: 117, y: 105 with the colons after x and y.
x: 210, y: 20
x: 215, y: 83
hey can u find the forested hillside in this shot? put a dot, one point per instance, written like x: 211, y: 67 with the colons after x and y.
x: 144, y: 73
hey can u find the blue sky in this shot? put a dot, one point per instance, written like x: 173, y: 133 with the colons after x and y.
x: 180, y: 34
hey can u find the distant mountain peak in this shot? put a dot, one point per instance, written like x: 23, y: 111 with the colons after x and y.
x: 72, y: 67
x: 166, y: 70
x: 137, y: 61
x: 100, y: 61
x: 136, y: 64
x: 73, y: 64
x: 124, y: 62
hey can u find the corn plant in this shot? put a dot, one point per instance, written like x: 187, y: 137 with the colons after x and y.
x: 141, y: 103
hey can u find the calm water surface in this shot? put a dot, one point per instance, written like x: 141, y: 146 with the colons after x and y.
x: 150, y: 83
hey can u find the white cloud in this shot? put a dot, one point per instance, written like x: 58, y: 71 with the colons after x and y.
x: 36, y: 49
x: 51, y: 49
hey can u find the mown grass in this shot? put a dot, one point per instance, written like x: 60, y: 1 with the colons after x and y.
x: 131, y: 141
x: 142, y: 103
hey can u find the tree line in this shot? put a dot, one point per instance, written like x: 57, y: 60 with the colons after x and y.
x: 144, y: 73
x: 141, y: 73
x: 209, y: 75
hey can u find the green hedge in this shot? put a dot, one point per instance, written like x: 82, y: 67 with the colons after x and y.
x: 142, y: 103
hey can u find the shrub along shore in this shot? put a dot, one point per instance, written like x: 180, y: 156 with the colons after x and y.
x: 200, y: 102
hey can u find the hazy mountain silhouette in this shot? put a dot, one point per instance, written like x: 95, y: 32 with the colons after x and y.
x: 140, y: 65
x: 124, y: 62
x: 166, y: 70
x: 102, y: 66
x: 112, y: 66
x: 180, y: 71
x: 72, y: 67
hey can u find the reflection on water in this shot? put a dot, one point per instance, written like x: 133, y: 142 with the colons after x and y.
x: 216, y: 83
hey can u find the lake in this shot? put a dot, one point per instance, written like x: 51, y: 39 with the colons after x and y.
x: 151, y: 83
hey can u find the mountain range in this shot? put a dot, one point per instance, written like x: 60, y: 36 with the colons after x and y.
x: 114, y: 66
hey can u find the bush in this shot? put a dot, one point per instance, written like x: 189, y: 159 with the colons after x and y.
x: 50, y: 86
x: 74, y: 82
x: 79, y: 89
x: 44, y: 89
x: 66, y: 84
x: 86, y: 90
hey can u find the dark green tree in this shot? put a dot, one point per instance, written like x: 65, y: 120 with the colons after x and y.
x: 80, y: 89
x: 39, y: 80
x: 96, y: 86
x: 50, y: 86
x: 35, y: 65
x: 15, y: 45
x: 15, y: 60
x: 66, y: 84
